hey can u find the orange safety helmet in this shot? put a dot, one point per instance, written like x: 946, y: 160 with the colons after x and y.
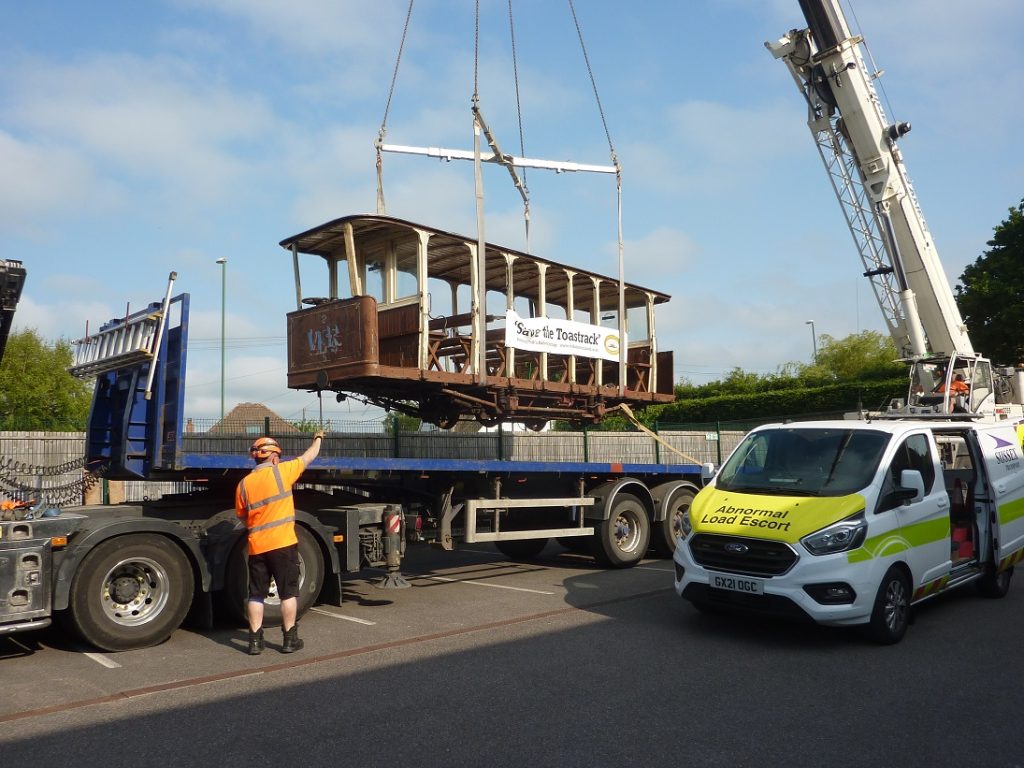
x: 263, y: 448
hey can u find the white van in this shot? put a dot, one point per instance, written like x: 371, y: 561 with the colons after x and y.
x: 851, y: 522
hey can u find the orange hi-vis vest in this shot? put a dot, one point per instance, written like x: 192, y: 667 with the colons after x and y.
x: 263, y: 501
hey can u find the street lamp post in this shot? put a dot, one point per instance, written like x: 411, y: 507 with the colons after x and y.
x: 223, y: 295
x: 814, y: 339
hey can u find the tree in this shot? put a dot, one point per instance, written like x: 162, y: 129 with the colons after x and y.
x: 36, y: 391
x: 990, y: 291
x: 402, y: 422
x: 864, y: 355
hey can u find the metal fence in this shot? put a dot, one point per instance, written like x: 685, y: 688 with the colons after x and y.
x: 48, y: 467
x: 676, y: 446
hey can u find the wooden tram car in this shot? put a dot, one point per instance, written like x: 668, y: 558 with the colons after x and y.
x: 399, y: 325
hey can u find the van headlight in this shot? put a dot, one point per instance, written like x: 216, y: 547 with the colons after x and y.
x: 839, y: 537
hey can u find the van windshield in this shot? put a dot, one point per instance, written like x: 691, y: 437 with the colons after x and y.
x: 796, y: 461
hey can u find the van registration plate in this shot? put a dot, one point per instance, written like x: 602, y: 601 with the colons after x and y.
x: 737, y: 584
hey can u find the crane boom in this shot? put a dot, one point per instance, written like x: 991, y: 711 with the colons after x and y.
x: 859, y: 147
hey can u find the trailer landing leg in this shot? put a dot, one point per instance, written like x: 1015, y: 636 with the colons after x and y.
x: 393, y: 552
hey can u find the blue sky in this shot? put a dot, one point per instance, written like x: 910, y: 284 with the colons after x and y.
x: 140, y: 138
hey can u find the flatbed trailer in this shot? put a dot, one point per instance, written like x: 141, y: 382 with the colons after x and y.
x: 127, y: 575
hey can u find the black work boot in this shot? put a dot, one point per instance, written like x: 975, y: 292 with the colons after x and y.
x: 256, y: 642
x: 292, y: 642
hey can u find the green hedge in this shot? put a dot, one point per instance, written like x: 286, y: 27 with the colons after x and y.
x: 872, y: 395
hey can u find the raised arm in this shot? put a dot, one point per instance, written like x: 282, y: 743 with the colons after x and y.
x: 314, y: 448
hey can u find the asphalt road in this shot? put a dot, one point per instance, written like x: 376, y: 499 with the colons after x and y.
x: 548, y: 663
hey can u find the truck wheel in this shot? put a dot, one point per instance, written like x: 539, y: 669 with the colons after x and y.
x: 236, y: 581
x: 994, y: 584
x: 667, y: 530
x: 131, y: 592
x: 891, y: 614
x: 575, y: 543
x: 622, y: 539
x: 521, y: 549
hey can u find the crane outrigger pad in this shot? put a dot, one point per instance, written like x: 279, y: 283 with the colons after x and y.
x: 388, y: 327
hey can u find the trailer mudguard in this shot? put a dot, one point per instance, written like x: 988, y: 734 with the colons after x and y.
x: 604, y: 496
x: 663, y: 495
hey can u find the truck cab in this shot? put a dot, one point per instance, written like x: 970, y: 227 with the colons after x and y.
x: 852, y: 523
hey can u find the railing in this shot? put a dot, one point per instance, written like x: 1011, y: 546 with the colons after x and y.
x: 676, y: 444
x: 48, y: 468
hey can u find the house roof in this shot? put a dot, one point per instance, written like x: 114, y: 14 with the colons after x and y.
x: 253, y: 418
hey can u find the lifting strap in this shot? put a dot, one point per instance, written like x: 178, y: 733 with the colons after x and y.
x: 636, y: 423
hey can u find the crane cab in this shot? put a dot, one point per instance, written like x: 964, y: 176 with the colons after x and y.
x: 963, y: 384
x: 394, y: 319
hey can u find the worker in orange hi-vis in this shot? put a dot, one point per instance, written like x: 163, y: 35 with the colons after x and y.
x: 956, y: 386
x: 263, y: 501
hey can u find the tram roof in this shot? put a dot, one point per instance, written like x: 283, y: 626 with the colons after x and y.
x: 450, y: 261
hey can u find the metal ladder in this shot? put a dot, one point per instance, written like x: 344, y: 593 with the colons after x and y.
x: 124, y: 342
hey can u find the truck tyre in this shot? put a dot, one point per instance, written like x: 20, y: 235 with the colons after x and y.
x: 994, y: 584
x: 575, y: 543
x: 236, y: 581
x: 891, y: 614
x: 131, y: 592
x: 521, y: 549
x: 621, y: 540
x: 666, y: 531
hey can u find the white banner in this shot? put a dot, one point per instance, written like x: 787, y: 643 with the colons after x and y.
x: 561, y: 337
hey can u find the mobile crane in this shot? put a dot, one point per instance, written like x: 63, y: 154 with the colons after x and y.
x: 859, y: 148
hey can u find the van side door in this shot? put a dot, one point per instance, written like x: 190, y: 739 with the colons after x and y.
x: 1004, y: 467
x: 922, y: 531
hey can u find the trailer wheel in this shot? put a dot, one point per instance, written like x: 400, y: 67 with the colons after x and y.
x: 521, y: 549
x: 236, y: 581
x: 668, y: 530
x: 622, y: 539
x: 131, y: 592
x: 575, y: 543
x: 994, y: 584
x: 891, y: 614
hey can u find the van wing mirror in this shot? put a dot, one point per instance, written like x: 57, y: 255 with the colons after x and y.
x: 911, y: 486
x: 707, y: 472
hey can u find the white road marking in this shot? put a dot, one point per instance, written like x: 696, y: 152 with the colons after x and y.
x: 485, y: 584
x: 99, y: 658
x: 339, y: 616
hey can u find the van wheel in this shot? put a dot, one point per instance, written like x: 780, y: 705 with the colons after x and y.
x: 891, y: 614
x: 621, y: 540
x: 994, y: 584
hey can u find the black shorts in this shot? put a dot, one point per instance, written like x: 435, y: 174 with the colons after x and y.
x: 282, y: 564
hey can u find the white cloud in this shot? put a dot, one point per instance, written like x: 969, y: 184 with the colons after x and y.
x: 38, y: 180
x: 662, y: 254
x: 66, y: 319
x: 316, y: 26
x: 145, y: 122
